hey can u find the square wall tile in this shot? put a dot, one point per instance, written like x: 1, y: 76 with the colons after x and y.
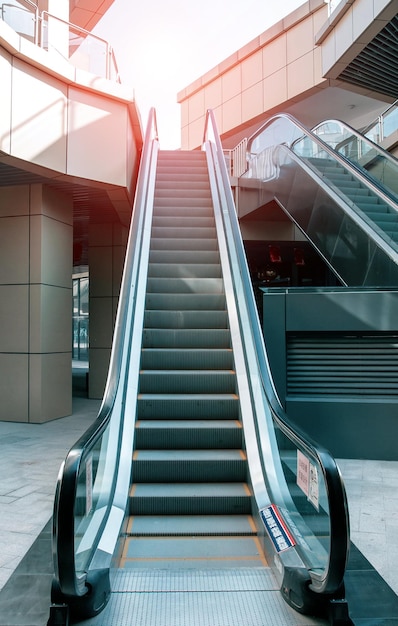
x: 14, y: 378
x: 14, y: 318
x: 231, y: 83
x: 252, y: 70
x: 14, y: 250
x: 51, y: 250
x: 274, y: 55
x: 14, y: 201
x: 50, y: 319
x: 196, y: 105
x: 252, y: 101
x: 99, y: 365
x: 50, y: 386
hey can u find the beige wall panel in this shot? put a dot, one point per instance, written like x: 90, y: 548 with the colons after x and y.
x: 39, y: 125
x: 299, y: 40
x: 213, y: 94
x: 231, y: 83
x: 100, y: 235
x: 50, y: 386
x: 343, y: 35
x: 51, y: 249
x: 317, y: 60
x: 14, y: 312
x: 14, y: 250
x: 275, y: 89
x: 51, y: 203
x: 100, y: 261
x: 50, y: 319
x: 14, y: 201
x: 14, y: 378
x: 5, y: 102
x: 252, y: 70
x: 196, y: 105
x: 252, y: 101
x: 101, y: 322
x: 184, y: 109
x: 195, y: 133
x: 328, y: 52
x: 300, y: 75
x: 96, y: 138
x: 185, y: 137
x: 362, y: 15
x: 98, y: 372
x: 232, y: 113
x: 274, y: 55
x: 119, y: 255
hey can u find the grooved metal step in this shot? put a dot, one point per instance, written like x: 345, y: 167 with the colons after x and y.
x: 189, y: 466
x: 183, y: 358
x: 179, y: 243
x: 167, y: 406
x: 186, y: 338
x: 184, y: 270
x: 185, y: 319
x: 190, y: 434
x: 189, y: 499
x: 179, y: 285
x: 185, y: 301
x: 187, y: 381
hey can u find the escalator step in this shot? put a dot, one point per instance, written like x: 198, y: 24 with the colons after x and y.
x: 189, y: 406
x: 187, y: 381
x: 189, y: 434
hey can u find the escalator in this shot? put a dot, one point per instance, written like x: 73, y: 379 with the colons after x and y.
x: 342, y: 198
x: 192, y: 479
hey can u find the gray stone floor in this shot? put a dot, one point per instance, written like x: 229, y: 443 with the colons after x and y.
x: 31, y: 455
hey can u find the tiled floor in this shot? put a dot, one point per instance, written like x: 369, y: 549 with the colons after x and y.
x: 30, y: 457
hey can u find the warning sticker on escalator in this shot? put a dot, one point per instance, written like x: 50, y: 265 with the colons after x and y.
x: 276, y: 528
x: 307, y: 478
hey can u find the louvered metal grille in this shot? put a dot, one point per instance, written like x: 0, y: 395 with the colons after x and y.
x: 376, y: 67
x: 350, y: 365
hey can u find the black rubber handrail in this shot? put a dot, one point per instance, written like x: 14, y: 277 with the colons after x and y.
x: 337, y: 500
x: 69, y: 583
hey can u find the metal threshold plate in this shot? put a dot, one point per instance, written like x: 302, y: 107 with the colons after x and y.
x: 242, y: 597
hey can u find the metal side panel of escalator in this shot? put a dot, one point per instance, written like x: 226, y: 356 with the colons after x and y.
x: 345, y: 205
x: 192, y: 494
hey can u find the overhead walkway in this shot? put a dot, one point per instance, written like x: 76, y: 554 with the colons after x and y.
x: 192, y: 479
x: 339, y: 188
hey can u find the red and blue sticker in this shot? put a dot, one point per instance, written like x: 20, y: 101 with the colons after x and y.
x: 276, y: 528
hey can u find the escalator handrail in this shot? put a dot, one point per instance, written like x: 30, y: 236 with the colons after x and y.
x: 338, y: 508
x: 65, y: 498
x: 356, y: 173
x: 378, y: 150
x: 358, y: 135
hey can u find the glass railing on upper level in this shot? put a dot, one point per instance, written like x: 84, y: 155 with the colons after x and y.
x: 304, y: 488
x: 369, y: 157
x: 350, y: 221
x: 80, y: 47
x: 385, y: 125
x: 22, y: 16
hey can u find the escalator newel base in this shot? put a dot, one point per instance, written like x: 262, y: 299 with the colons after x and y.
x: 338, y: 613
x: 59, y: 615
x: 88, y: 605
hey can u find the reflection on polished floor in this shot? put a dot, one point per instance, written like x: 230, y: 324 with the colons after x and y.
x: 30, y: 458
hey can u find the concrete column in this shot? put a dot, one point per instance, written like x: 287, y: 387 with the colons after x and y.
x: 36, y: 237
x: 107, y: 249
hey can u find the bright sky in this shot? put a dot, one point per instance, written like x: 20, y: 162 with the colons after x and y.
x: 161, y: 46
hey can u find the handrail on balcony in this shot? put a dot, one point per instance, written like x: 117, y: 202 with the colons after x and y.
x: 8, y: 13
